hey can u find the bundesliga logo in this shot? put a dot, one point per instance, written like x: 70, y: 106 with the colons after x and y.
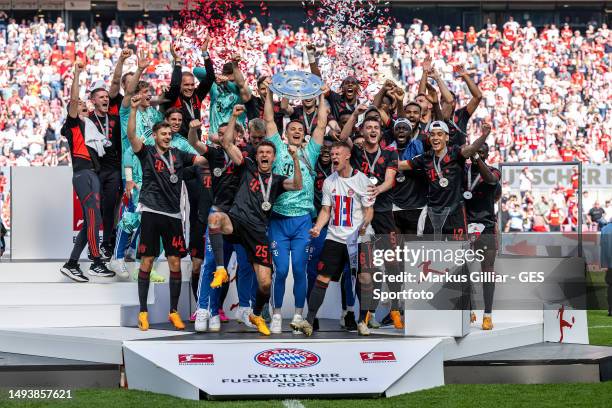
x: 287, y: 358
x: 196, y: 359
x: 378, y: 357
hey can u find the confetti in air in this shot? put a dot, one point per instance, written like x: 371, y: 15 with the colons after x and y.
x: 350, y: 24
x: 220, y: 20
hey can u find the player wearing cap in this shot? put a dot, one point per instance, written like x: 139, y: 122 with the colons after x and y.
x: 380, y: 165
x: 86, y: 146
x: 444, y: 168
x: 111, y: 187
x: 248, y: 217
x: 347, y: 211
x: 291, y: 217
x: 159, y: 204
x: 482, y: 190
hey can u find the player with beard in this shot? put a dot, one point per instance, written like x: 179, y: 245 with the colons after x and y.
x: 347, y: 211
x: 347, y: 320
x: 380, y: 165
x: 183, y: 94
x: 444, y: 168
x: 482, y: 190
x: 159, y: 204
x: 85, y: 148
x: 247, y: 220
x: 291, y: 217
x: 410, y: 191
x: 111, y: 187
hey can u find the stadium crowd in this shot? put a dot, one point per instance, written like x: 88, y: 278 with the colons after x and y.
x: 546, y: 92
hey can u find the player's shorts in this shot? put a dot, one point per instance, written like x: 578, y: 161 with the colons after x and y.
x: 384, y: 223
x: 254, y: 242
x: 335, y: 255
x: 407, y: 221
x: 455, y: 226
x: 196, y: 239
x: 155, y: 226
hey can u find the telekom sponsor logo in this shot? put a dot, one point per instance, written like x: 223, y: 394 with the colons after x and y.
x: 378, y: 357
x: 196, y: 359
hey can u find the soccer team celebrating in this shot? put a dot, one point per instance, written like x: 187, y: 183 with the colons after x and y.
x: 285, y: 187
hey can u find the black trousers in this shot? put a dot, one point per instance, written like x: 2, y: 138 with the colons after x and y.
x: 87, y: 187
x: 111, y: 190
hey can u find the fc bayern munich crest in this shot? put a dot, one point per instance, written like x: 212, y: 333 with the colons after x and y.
x: 287, y: 358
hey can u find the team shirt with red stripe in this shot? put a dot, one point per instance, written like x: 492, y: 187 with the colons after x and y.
x: 83, y: 157
x: 347, y: 198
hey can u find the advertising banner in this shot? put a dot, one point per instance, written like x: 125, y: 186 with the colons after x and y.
x: 273, y: 368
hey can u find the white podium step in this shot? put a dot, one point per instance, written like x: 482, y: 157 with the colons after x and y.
x: 25, y: 316
x: 45, y: 294
x: 48, y: 271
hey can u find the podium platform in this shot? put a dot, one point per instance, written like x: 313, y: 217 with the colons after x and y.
x: 95, y: 323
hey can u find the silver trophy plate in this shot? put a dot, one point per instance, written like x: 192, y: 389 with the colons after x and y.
x: 296, y: 85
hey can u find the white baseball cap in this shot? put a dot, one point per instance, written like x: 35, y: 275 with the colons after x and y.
x: 97, y: 85
x: 438, y: 124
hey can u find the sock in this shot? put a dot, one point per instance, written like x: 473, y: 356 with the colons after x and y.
x: 299, y: 310
x: 195, y: 284
x: 216, y: 243
x: 260, y: 300
x: 97, y: 260
x: 276, y: 311
x: 365, y: 301
x: 143, y: 289
x: 351, y: 308
x: 175, y: 290
x: 317, y: 296
x: 487, y: 315
x: 72, y: 262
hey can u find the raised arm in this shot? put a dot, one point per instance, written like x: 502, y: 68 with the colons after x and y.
x: 271, y: 128
x: 319, y: 132
x: 485, y: 172
x: 73, y: 105
x: 177, y: 75
x: 194, y: 138
x: 135, y: 141
x: 312, y: 60
x: 470, y: 150
x: 285, y: 107
x: 245, y: 89
x: 447, y: 97
x: 426, y: 67
x: 474, y: 89
x: 386, y: 88
x: 204, y: 86
x: 433, y: 95
x: 347, y: 130
x: 295, y: 183
x: 116, y: 81
x: 143, y: 63
x: 227, y: 141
